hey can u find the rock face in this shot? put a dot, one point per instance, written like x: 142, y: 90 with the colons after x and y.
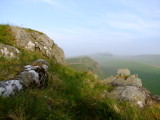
x: 34, y: 75
x: 37, y: 41
x: 8, y: 51
x: 129, y: 87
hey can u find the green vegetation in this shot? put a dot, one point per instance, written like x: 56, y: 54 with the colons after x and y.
x: 31, y: 30
x: 149, y: 74
x: 83, y: 64
x: 6, y: 36
x: 69, y: 95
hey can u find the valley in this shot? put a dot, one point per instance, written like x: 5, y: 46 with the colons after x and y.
x: 146, y: 66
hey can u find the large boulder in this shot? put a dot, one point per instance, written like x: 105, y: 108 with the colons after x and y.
x: 129, y: 87
x: 37, y: 41
x: 130, y: 93
x: 8, y: 51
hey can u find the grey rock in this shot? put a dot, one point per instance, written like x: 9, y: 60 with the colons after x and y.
x: 123, y: 72
x: 119, y: 80
x: 34, y: 75
x: 131, y: 80
x: 130, y: 88
x: 9, y: 51
x: 10, y: 87
x: 36, y: 41
x: 109, y: 80
x: 131, y: 93
x: 134, y: 80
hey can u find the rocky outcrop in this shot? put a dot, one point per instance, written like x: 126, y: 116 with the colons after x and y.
x: 37, y: 41
x: 8, y: 51
x: 123, y: 72
x: 129, y: 87
x: 33, y: 75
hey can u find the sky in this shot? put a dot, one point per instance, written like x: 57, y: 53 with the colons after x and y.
x: 81, y: 27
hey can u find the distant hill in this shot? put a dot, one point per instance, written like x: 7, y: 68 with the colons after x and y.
x: 82, y: 64
x: 146, y: 66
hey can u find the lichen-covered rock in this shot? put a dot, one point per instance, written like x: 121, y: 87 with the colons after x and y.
x: 131, y: 80
x: 37, y: 41
x: 131, y: 93
x: 109, y: 80
x: 134, y: 80
x: 119, y: 80
x: 34, y: 75
x: 10, y: 87
x: 8, y: 51
x: 129, y: 87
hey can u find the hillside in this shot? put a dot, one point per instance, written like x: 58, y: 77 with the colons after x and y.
x: 146, y: 71
x: 83, y: 64
x: 69, y: 95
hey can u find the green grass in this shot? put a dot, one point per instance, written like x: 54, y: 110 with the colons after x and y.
x: 70, y: 95
x: 66, y: 96
x: 6, y: 36
x: 149, y: 74
x: 31, y: 30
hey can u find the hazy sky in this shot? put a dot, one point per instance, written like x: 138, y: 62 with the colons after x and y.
x: 90, y: 26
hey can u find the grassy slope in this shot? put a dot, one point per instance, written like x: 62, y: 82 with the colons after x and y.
x: 149, y: 74
x: 68, y: 96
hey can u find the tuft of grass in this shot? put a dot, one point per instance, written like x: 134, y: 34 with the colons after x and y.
x: 31, y: 30
x: 6, y: 36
